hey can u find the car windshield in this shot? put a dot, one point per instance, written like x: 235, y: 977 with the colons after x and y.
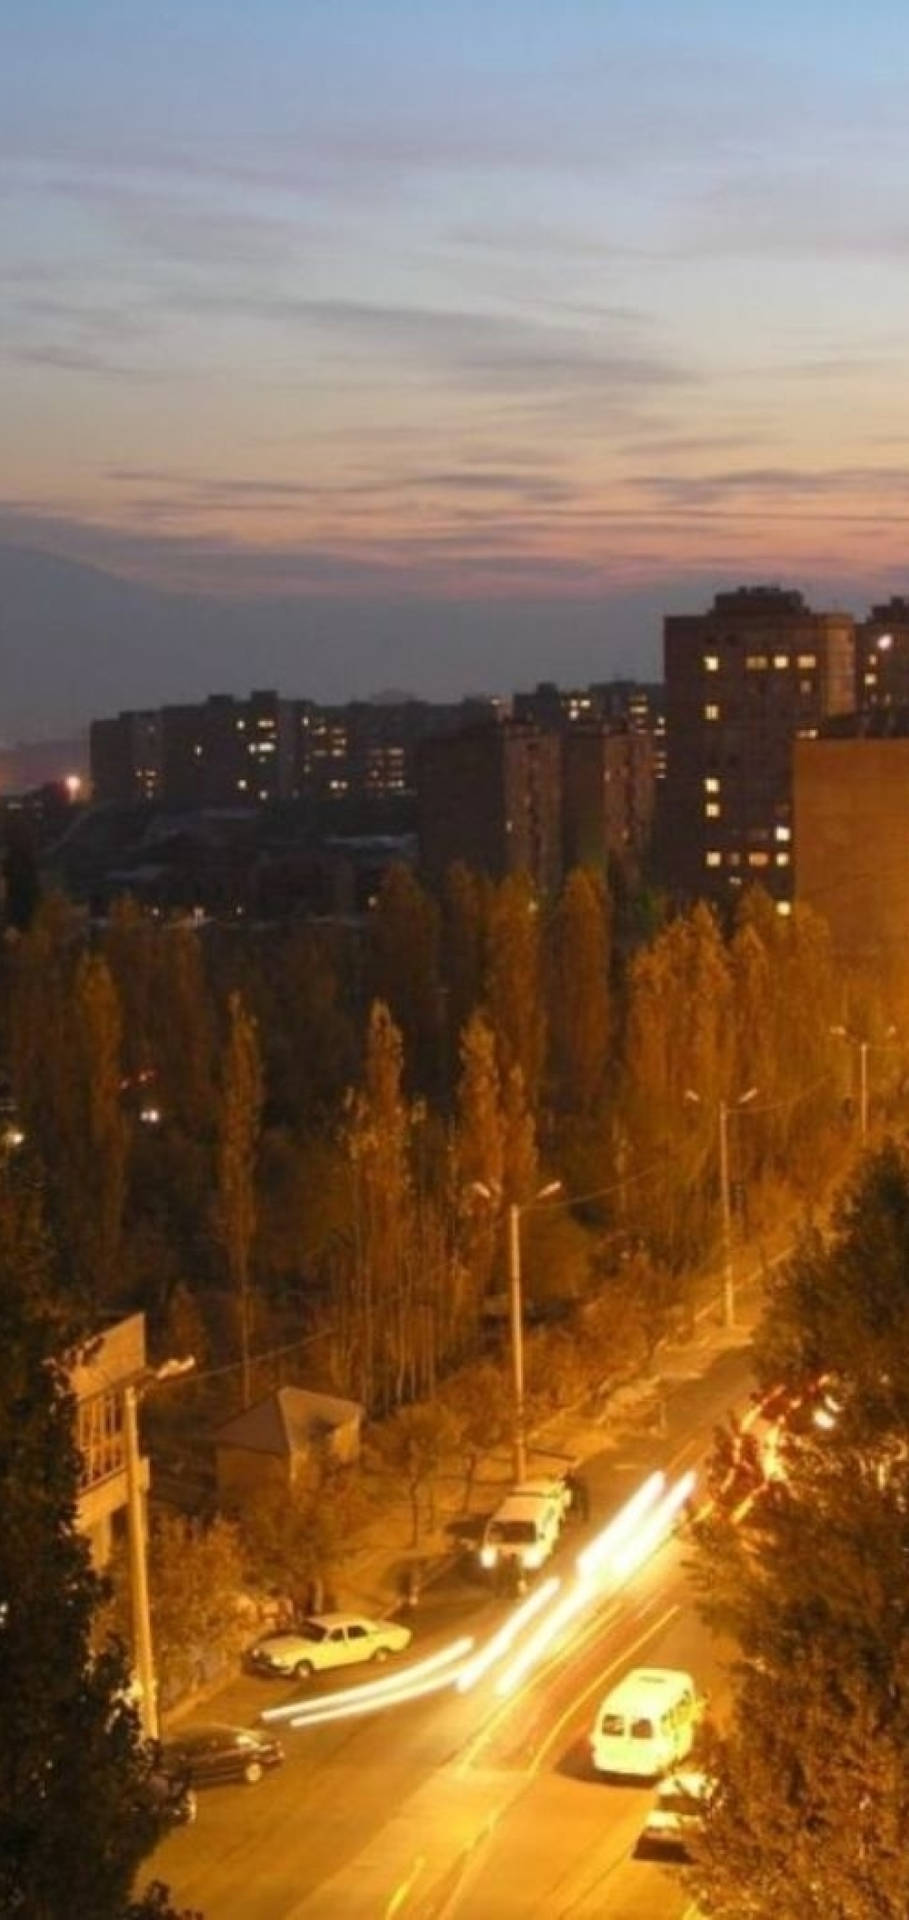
x: 311, y: 1630
x: 514, y: 1533
x: 642, y: 1729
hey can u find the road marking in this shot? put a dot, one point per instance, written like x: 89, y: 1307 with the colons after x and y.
x: 403, y: 1892
x: 555, y: 1732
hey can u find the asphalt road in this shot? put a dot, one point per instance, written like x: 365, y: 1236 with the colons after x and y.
x: 464, y: 1805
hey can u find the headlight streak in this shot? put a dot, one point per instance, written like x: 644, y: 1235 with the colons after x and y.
x: 434, y: 1683
x: 608, y: 1560
x: 598, y: 1550
x: 300, y: 1711
x: 657, y: 1526
x: 609, y: 1555
x: 500, y: 1642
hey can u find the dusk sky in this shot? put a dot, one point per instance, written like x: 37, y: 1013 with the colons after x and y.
x: 514, y: 303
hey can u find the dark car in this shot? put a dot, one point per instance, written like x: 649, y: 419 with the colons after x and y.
x: 171, y: 1791
x: 205, y: 1756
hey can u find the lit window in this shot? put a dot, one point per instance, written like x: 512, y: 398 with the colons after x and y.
x: 711, y: 810
x: 781, y: 659
x: 782, y: 833
x: 782, y: 859
x: 735, y: 859
x: 713, y: 859
x: 197, y: 750
x: 885, y: 641
x: 711, y: 712
x: 756, y: 662
x: 807, y: 659
x: 806, y: 686
x: 242, y: 785
x: 871, y: 678
x: 784, y: 906
x: 758, y: 859
x: 240, y: 726
x: 711, y: 784
x: 806, y: 733
x: 711, y: 663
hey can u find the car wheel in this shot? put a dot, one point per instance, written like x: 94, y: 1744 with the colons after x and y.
x: 252, y: 1772
x: 380, y: 1655
x: 303, y: 1670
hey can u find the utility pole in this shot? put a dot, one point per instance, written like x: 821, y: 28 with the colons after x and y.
x: 138, y: 1571
x: 143, y: 1653
x: 863, y: 1091
x: 726, y: 1203
x: 516, y: 1311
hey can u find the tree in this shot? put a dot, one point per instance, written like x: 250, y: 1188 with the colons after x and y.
x: 195, y: 1577
x: 514, y: 986
x: 404, y: 968
x: 238, y: 1142
x: 464, y: 911
x: 813, y: 1771
x: 78, y: 1811
x: 413, y: 1444
x: 579, y: 992
x: 480, y: 1403
x: 297, y: 1536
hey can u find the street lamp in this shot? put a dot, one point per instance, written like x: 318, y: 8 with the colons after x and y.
x: 725, y: 1108
x: 864, y: 1048
x: 143, y: 1655
x: 516, y: 1313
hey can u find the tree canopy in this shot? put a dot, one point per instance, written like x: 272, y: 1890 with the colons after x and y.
x: 811, y: 1816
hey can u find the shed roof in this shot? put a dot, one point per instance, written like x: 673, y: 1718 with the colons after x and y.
x: 288, y: 1422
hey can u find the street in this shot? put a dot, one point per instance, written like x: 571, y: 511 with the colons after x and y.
x: 472, y: 1804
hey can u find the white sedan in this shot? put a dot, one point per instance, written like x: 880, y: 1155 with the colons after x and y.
x: 327, y: 1640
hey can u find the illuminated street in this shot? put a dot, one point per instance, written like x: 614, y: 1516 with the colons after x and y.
x: 480, y: 1801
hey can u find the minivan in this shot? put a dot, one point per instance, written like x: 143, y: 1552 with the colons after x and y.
x: 646, y: 1724
x: 524, y: 1528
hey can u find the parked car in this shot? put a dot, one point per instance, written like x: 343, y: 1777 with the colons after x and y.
x: 327, y: 1640
x: 677, y: 1813
x: 171, y: 1791
x: 206, y: 1756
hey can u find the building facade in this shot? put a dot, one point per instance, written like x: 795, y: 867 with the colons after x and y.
x: 882, y: 657
x: 491, y: 797
x: 117, y: 1358
x: 608, y: 784
x: 851, y: 823
x: 744, y: 681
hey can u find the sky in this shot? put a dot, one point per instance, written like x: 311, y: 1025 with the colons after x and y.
x: 534, y: 306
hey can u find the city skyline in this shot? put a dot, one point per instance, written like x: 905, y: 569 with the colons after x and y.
x: 439, y: 342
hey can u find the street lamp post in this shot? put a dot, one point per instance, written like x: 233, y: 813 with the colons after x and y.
x: 864, y: 1048
x: 143, y: 1652
x: 725, y: 1108
x: 516, y: 1317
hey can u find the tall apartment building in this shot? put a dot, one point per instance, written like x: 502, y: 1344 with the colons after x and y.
x: 851, y: 818
x: 607, y: 795
x: 125, y: 757
x: 367, y: 749
x: 882, y: 657
x: 744, y: 681
x: 491, y: 797
x: 225, y: 752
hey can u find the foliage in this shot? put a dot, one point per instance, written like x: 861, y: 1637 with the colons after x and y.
x: 813, y: 1772
x: 195, y: 1576
x: 413, y: 1444
x: 294, y: 1536
x: 479, y: 1400
x: 77, y: 1810
x: 239, y: 1118
x: 578, y: 996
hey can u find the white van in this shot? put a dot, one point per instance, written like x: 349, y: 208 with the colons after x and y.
x: 524, y: 1528
x: 646, y: 1724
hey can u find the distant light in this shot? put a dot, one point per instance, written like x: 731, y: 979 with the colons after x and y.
x: 884, y: 641
x: 73, y: 785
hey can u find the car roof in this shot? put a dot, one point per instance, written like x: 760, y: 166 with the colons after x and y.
x: 338, y: 1620
x: 642, y: 1681
x: 213, y: 1729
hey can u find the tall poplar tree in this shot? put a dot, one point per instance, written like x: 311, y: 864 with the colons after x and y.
x: 239, y: 1127
x: 578, y: 976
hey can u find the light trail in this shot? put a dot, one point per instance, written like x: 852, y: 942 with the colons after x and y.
x: 434, y: 1683
x: 658, y: 1525
x: 598, y: 1550
x: 500, y: 1642
x: 300, y: 1711
x: 612, y: 1556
